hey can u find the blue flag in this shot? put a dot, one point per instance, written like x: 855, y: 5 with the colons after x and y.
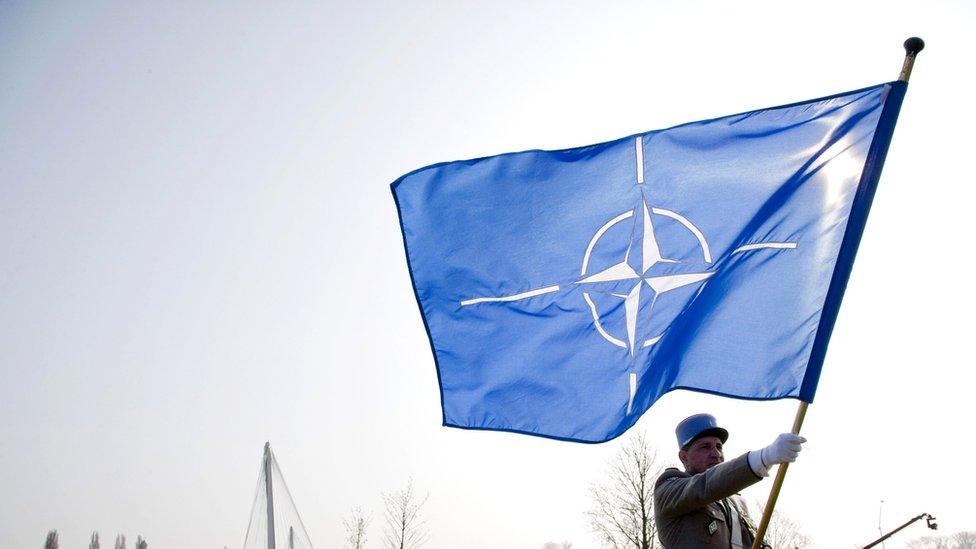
x: 564, y: 292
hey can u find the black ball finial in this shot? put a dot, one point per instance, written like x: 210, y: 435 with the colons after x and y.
x: 914, y: 45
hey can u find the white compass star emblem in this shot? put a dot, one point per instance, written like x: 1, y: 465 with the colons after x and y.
x: 619, y: 274
x: 623, y: 271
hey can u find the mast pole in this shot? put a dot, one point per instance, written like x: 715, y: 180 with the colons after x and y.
x: 269, y: 494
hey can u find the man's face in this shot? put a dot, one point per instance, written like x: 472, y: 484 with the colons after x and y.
x: 703, y: 454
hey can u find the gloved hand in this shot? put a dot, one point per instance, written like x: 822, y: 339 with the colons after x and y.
x: 784, y: 449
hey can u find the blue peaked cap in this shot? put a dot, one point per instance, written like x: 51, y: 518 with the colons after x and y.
x: 697, y: 426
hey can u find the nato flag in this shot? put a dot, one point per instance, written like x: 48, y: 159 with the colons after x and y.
x: 564, y: 292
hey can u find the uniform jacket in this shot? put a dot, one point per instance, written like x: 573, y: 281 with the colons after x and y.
x: 688, y: 509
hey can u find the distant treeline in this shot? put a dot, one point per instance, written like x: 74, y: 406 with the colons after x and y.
x: 53, y: 541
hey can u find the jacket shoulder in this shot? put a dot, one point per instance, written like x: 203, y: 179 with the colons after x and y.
x: 668, y: 474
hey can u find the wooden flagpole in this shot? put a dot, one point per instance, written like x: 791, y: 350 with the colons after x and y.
x: 801, y: 412
x: 912, y: 46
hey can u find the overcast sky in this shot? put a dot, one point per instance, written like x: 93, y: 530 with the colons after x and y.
x: 199, y: 252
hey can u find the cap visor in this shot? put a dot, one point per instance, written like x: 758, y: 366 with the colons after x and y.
x: 719, y: 432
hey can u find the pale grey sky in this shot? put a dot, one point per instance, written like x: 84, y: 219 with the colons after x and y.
x: 199, y: 252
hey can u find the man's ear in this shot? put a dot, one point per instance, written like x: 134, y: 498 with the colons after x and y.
x: 683, y: 456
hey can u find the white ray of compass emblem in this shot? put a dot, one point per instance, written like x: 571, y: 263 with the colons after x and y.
x: 623, y: 271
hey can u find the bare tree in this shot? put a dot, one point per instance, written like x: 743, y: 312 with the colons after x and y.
x: 356, y: 528
x: 959, y: 540
x: 94, y: 543
x: 930, y: 542
x: 965, y: 540
x: 623, y: 505
x: 405, y: 529
x: 141, y: 543
x: 783, y: 531
x: 554, y: 545
x: 120, y: 541
x: 52, y: 540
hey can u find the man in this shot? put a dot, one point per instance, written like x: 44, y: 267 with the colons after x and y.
x: 699, y: 507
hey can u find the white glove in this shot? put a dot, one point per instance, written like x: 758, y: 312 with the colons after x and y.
x: 784, y: 449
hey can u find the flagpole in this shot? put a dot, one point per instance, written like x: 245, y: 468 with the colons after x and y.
x: 912, y: 46
x: 801, y: 412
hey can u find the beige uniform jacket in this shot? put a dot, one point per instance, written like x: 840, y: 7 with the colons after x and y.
x: 688, y: 509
